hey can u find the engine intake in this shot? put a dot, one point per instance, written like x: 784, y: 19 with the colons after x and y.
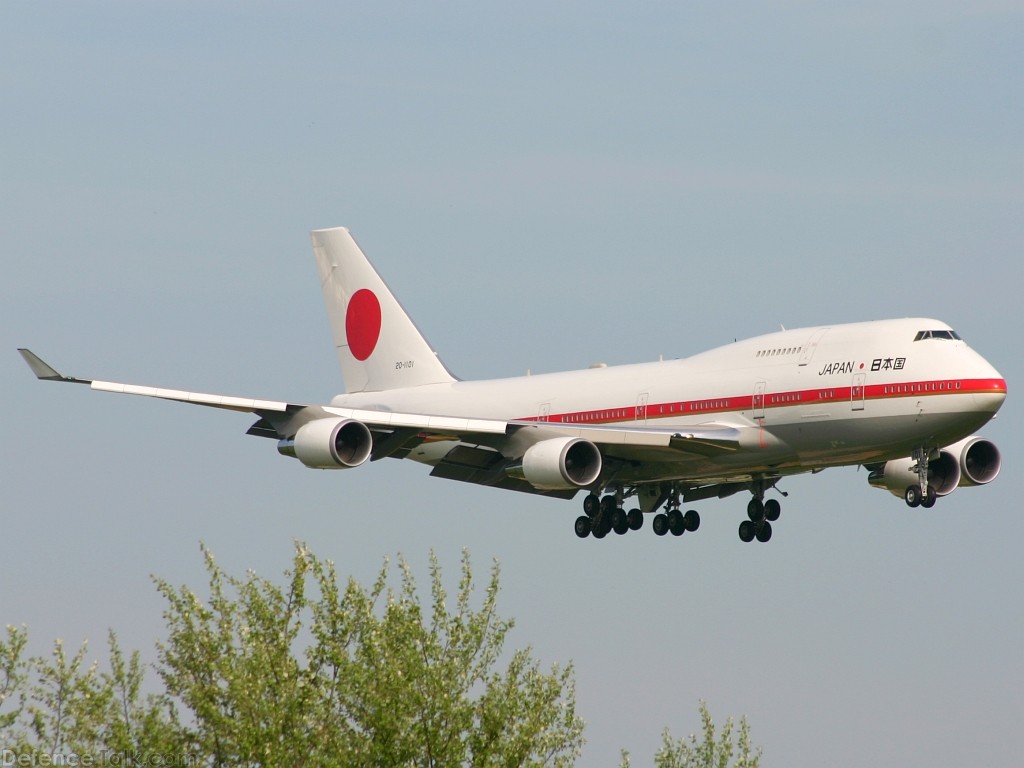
x: 972, y: 461
x: 980, y: 461
x: 559, y: 463
x: 329, y: 444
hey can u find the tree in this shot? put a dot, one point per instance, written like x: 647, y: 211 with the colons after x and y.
x: 315, y: 673
x: 377, y: 681
x: 58, y: 706
x: 710, y: 751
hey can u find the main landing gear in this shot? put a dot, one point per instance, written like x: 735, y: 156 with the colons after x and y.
x: 673, y: 520
x: 761, y: 515
x: 602, y: 515
x: 921, y: 494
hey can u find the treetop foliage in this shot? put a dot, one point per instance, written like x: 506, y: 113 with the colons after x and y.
x: 316, y: 672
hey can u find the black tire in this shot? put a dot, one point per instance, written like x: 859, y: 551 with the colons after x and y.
x: 599, y: 528
x: 636, y: 519
x: 929, y: 498
x: 755, y: 510
x: 591, y: 504
x: 746, y: 531
x: 608, y: 505
x: 620, y: 523
x: 660, y: 524
x: 772, y: 510
x: 912, y: 495
x: 692, y: 520
x: 583, y: 526
x: 676, y: 523
x: 764, y: 532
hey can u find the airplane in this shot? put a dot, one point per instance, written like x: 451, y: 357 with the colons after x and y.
x: 903, y: 398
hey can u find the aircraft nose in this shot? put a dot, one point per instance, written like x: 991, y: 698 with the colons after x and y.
x: 990, y: 389
x: 991, y: 395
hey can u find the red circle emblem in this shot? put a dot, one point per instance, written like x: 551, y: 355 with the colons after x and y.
x: 362, y: 323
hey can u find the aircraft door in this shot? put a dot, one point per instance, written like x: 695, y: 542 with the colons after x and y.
x: 641, y: 407
x: 758, y: 399
x: 857, y: 391
x: 811, y: 346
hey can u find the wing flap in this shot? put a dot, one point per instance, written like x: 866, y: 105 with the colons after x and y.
x: 481, y: 466
x: 703, y: 439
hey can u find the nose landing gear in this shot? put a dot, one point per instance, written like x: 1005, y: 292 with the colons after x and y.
x: 921, y: 494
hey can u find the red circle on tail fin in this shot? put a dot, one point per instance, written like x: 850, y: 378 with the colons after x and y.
x: 362, y: 323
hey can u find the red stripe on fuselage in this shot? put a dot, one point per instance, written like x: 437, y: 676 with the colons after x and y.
x: 770, y: 400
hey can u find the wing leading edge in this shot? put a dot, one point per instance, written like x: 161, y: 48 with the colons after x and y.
x: 46, y: 372
x: 702, y: 439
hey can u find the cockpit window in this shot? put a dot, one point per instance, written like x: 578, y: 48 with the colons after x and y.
x: 943, y: 334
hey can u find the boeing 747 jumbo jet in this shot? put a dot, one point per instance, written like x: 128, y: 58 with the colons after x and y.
x: 903, y: 398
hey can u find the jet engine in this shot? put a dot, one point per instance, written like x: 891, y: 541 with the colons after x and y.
x: 979, y: 461
x: 559, y: 463
x: 329, y: 444
x: 972, y: 461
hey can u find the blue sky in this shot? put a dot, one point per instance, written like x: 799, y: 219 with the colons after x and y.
x: 544, y: 186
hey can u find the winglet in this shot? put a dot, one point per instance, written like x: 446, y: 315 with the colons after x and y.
x: 45, y: 371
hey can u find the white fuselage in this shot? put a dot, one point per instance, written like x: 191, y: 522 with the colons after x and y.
x: 803, y: 399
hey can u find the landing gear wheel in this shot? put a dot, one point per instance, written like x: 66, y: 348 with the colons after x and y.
x: 913, y: 495
x: 929, y: 498
x: 591, y: 504
x: 772, y: 510
x: 619, y: 522
x: 764, y: 532
x: 660, y: 524
x: 755, y: 510
x: 599, y: 527
x: 583, y: 526
x: 636, y: 519
x: 746, y: 531
x: 608, y: 505
x: 692, y: 520
x: 676, y: 523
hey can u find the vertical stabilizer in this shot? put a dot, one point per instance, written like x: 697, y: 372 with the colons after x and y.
x: 379, y: 347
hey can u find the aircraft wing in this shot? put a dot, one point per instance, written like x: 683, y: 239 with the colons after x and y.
x: 279, y: 418
x: 703, y: 439
x: 433, y: 425
x: 398, y: 432
x: 46, y: 372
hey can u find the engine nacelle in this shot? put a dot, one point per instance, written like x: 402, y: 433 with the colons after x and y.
x: 560, y: 463
x: 980, y: 460
x: 972, y: 461
x: 330, y: 444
